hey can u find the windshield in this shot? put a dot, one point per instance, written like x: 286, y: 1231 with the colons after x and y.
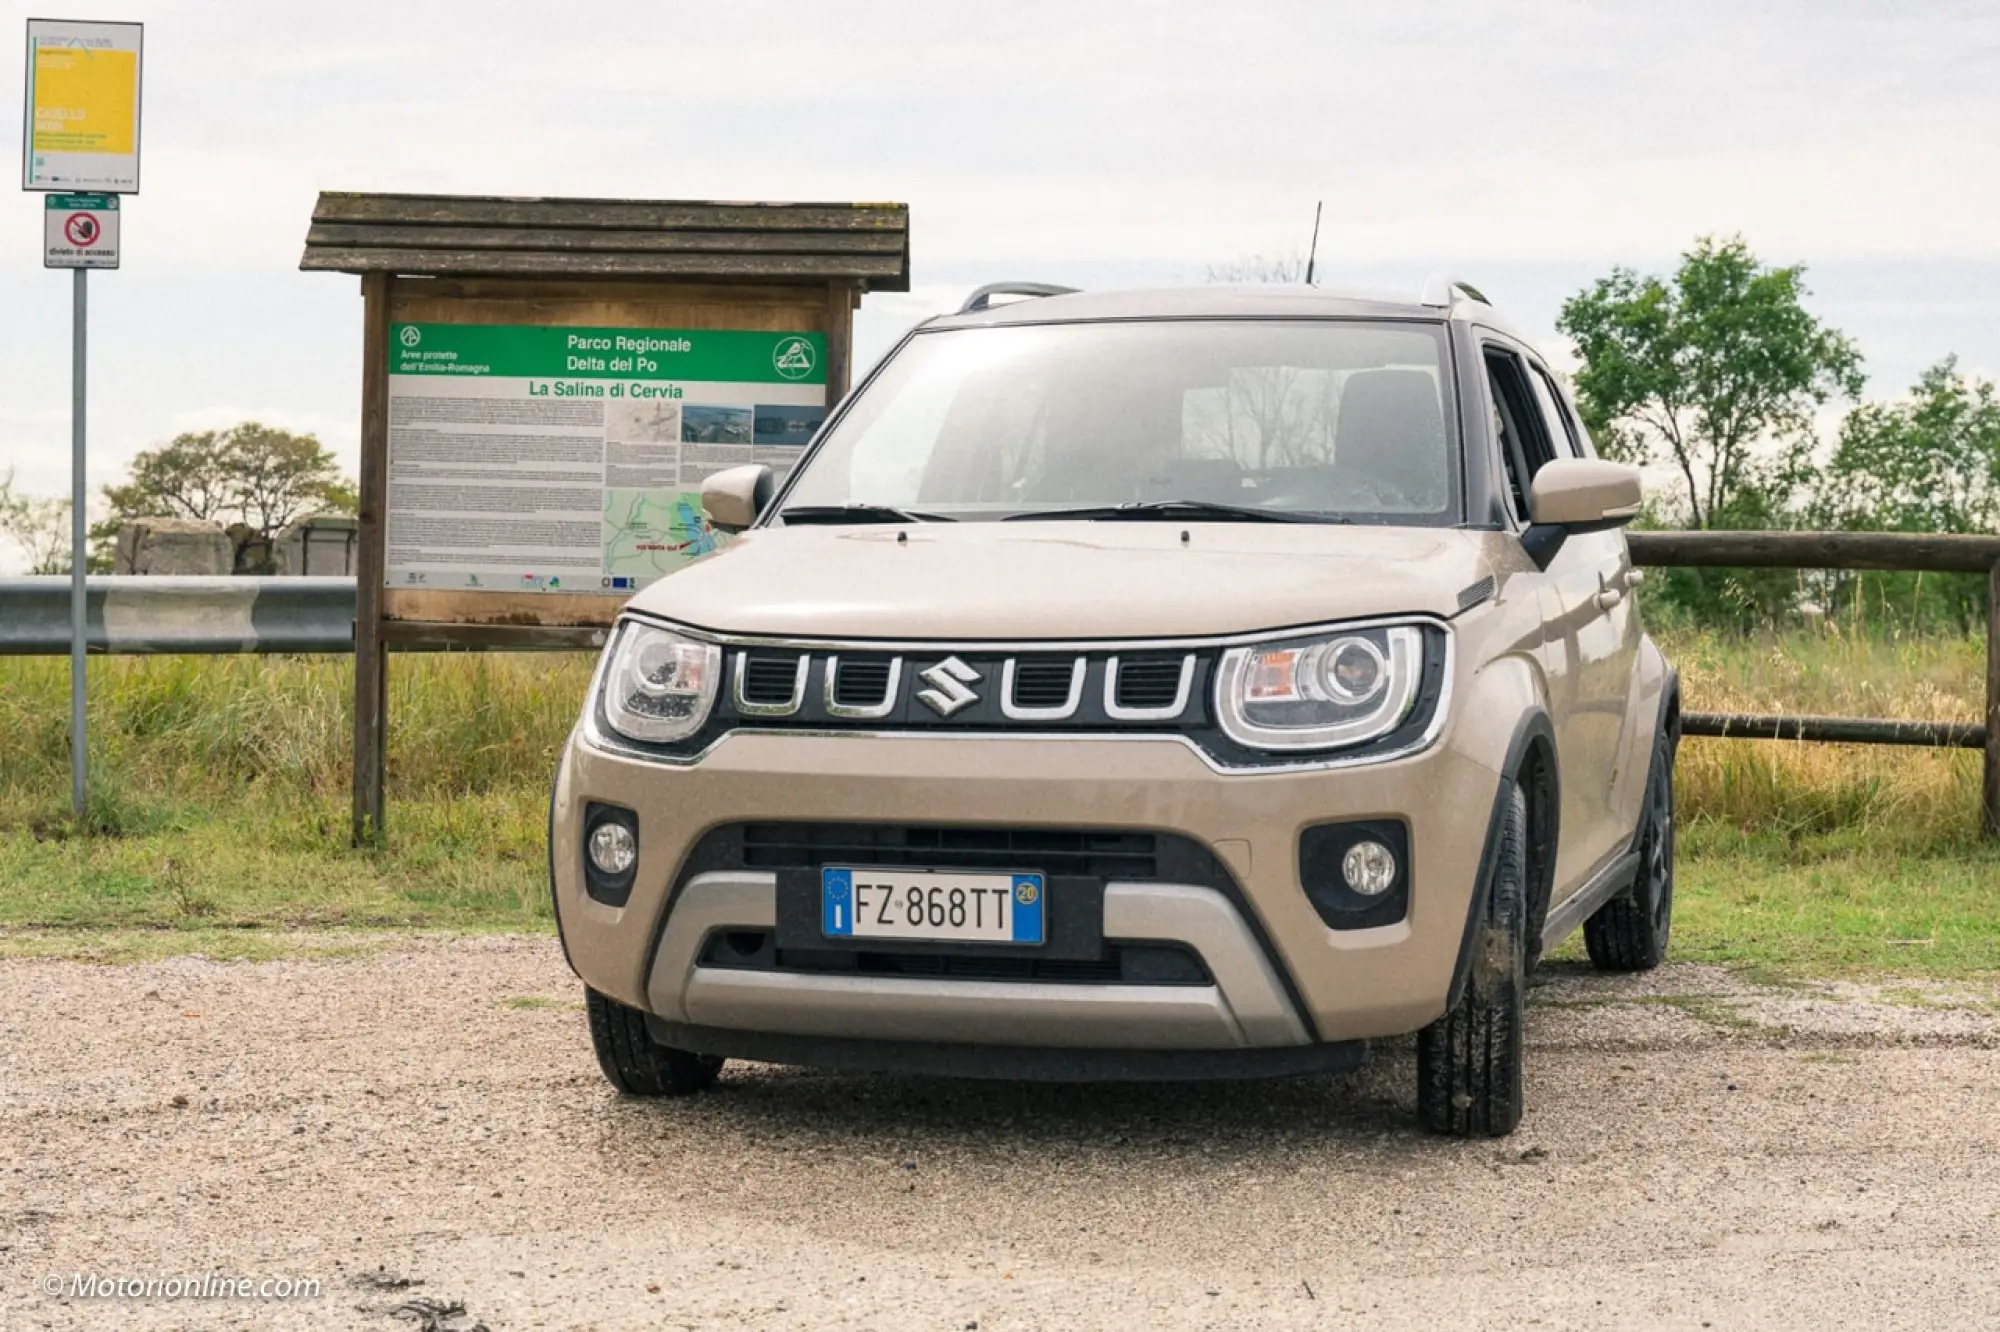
x: 1332, y: 420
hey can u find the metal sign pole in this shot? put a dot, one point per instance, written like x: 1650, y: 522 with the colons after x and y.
x: 78, y: 749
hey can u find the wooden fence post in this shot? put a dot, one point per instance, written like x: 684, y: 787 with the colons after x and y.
x: 371, y: 661
x: 1989, y: 790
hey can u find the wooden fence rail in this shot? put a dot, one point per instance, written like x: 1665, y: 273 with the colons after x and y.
x: 1882, y: 551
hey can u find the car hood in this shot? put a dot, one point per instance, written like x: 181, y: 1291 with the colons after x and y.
x: 1065, y: 580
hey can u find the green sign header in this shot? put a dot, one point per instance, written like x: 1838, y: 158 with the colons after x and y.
x: 709, y: 355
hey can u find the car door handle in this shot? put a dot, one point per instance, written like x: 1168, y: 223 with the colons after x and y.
x: 1610, y: 597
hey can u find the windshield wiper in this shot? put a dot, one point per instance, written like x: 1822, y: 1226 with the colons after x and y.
x: 1169, y: 510
x: 857, y: 513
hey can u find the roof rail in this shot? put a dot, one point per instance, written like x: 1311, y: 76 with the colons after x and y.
x: 1442, y: 289
x: 983, y: 298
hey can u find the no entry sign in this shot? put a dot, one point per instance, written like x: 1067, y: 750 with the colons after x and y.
x: 82, y: 231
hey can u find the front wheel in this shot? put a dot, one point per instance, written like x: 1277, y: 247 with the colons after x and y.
x: 633, y: 1061
x: 1469, y: 1062
x: 1629, y: 933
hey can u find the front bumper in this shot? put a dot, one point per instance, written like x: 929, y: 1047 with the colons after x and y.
x: 1281, y: 978
x: 1245, y: 1007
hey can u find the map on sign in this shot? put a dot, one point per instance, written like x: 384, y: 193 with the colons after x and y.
x: 553, y: 459
x: 647, y: 533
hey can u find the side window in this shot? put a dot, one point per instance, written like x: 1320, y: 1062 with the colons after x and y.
x: 1562, y: 427
x: 1524, y: 438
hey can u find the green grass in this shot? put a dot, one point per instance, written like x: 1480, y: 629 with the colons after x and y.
x: 219, y: 801
x: 218, y: 820
x: 1833, y: 905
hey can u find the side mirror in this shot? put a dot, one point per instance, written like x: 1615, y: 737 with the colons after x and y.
x: 1572, y: 495
x: 733, y: 498
x: 1584, y: 494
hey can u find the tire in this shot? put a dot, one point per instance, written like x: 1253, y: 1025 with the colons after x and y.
x: 633, y: 1061
x: 1469, y: 1062
x: 1630, y: 932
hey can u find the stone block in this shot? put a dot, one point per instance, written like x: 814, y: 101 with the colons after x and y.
x: 173, y: 546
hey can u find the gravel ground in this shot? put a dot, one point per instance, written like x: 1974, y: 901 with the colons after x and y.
x: 423, y: 1127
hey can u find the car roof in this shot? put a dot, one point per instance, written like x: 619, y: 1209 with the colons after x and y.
x: 1224, y: 301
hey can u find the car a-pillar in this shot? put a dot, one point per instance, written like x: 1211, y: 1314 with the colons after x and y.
x: 647, y: 342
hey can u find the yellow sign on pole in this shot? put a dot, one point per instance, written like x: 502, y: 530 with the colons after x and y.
x: 81, y: 128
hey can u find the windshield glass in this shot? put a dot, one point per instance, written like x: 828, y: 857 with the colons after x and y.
x: 1341, y: 420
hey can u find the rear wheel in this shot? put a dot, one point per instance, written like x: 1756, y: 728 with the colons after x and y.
x: 1629, y: 933
x: 633, y: 1061
x: 1469, y: 1062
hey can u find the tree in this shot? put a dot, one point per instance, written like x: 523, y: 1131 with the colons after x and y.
x: 1718, y: 374
x: 278, y: 478
x: 186, y: 478
x: 39, y: 527
x: 252, y: 474
x: 1930, y: 463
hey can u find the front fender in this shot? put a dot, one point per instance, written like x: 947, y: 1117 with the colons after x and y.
x: 1501, y: 719
x: 1487, y: 714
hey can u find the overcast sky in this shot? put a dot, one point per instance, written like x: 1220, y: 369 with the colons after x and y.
x: 1529, y: 146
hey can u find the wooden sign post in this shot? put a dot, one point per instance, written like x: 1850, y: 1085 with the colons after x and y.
x: 545, y: 384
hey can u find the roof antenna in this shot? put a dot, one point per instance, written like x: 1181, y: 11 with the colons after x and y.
x: 1313, y: 253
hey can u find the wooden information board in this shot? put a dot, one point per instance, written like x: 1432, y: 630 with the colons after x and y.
x: 545, y: 384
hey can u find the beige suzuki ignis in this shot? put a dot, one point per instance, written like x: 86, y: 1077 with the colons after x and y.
x: 1176, y: 684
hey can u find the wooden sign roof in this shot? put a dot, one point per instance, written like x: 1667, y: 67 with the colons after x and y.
x: 468, y: 235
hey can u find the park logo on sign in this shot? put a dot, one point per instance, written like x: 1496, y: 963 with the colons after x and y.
x: 793, y: 358
x: 411, y: 335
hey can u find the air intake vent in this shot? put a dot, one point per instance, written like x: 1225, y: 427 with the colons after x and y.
x: 1043, y: 682
x: 1148, y: 682
x: 1476, y: 593
x: 1104, y: 854
x: 770, y: 679
x: 861, y: 682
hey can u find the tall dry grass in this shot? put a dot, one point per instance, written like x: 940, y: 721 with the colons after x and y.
x: 204, y: 729
x: 1908, y: 796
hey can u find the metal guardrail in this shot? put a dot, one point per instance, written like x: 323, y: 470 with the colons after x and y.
x: 180, y: 615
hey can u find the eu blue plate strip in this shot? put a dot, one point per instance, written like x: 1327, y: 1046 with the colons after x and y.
x: 837, y: 903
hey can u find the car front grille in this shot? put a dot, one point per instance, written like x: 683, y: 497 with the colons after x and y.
x: 1053, y: 851
x: 971, y: 690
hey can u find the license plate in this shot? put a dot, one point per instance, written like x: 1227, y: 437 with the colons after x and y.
x: 928, y: 905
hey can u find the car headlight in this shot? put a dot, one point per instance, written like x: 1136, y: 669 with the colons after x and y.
x: 1324, y: 692
x: 659, y: 685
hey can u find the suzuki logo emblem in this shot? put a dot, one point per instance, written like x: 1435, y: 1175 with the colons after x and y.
x: 948, y: 679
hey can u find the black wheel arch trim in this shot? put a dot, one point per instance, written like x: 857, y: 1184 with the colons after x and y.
x: 1668, y: 725
x: 1533, y: 726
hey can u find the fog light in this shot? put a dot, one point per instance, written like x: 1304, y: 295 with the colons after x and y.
x: 1369, y: 868
x: 613, y: 848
